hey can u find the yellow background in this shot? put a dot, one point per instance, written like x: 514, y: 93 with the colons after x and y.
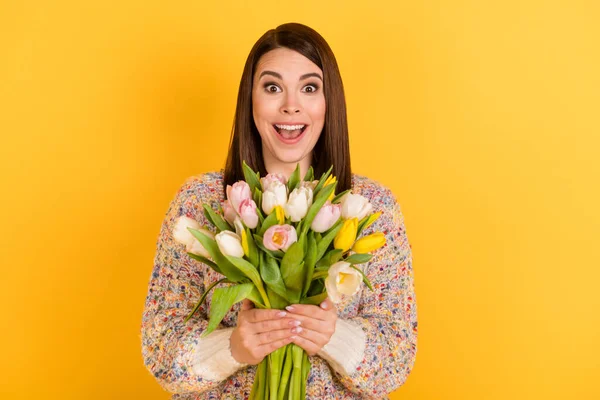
x: 483, y: 118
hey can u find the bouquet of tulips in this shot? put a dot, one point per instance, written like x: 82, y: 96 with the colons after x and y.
x: 282, y: 242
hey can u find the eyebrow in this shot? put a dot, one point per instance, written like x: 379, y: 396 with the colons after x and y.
x: 277, y: 75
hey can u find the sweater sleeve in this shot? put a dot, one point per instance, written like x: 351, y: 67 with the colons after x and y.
x: 380, y: 344
x: 172, y: 350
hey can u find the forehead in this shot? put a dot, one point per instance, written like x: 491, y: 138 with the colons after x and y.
x: 289, y: 63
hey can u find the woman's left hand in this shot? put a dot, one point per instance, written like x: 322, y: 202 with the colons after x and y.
x: 317, y: 325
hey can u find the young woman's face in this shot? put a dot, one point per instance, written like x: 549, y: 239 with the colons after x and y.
x: 288, y: 106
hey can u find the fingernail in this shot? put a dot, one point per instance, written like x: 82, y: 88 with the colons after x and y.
x: 324, y: 305
x: 281, y: 314
x: 292, y: 337
x: 294, y: 323
x: 297, y: 330
x: 289, y: 308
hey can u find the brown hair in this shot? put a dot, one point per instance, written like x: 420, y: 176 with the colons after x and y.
x: 332, y: 148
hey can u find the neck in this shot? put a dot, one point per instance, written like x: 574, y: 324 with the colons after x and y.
x: 274, y: 166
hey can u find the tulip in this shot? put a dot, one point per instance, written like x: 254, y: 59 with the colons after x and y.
x: 309, y: 184
x: 230, y: 244
x: 248, y: 213
x: 355, y: 205
x: 229, y: 211
x: 298, y: 203
x: 268, y: 180
x: 275, y: 195
x: 347, y: 235
x: 237, y: 193
x: 182, y: 235
x: 342, y: 279
x: 369, y: 243
x: 327, y: 216
x: 280, y: 237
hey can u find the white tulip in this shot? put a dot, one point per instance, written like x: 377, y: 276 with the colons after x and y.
x: 355, y: 206
x: 275, y: 195
x: 342, y: 279
x: 298, y: 204
x: 309, y: 184
x: 182, y: 235
x: 230, y: 244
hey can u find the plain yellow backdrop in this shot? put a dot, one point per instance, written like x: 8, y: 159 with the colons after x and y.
x: 482, y: 117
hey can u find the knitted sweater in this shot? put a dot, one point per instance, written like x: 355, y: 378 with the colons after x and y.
x: 371, y: 353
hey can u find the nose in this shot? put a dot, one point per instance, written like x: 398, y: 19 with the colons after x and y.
x: 291, y: 105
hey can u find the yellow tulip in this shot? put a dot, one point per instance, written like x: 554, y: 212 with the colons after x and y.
x: 369, y: 243
x: 347, y: 235
x: 280, y: 213
x: 245, y: 244
x: 331, y: 179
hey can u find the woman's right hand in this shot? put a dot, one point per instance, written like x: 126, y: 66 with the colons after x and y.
x: 259, y: 332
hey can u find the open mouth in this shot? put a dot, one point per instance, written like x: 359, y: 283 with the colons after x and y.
x: 290, y: 132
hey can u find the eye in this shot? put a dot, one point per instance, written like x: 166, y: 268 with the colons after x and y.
x: 269, y: 87
x: 313, y: 87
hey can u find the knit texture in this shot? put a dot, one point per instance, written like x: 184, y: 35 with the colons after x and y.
x: 387, y: 315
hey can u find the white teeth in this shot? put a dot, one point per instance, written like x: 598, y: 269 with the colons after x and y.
x: 290, y: 127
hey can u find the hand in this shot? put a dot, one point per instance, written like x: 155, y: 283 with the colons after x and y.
x: 259, y: 332
x: 318, y: 325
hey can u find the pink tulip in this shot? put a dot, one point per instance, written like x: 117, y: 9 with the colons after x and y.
x: 237, y: 193
x: 248, y: 213
x: 229, y: 211
x: 267, y: 180
x: 280, y: 237
x: 327, y: 216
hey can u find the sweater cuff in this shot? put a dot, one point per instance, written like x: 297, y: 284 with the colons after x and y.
x: 212, y: 359
x: 346, y: 348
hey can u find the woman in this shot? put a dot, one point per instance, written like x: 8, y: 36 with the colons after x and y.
x: 291, y: 109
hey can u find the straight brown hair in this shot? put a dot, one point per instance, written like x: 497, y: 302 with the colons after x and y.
x: 333, y: 146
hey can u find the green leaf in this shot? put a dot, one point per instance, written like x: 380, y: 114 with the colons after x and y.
x: 222, y: 300
x: 250, y: 271
x: 208, y: 216
x: 319, y: 275
x: 226, y: 267
x: 271, y: 275
x: 275, y: 254
x: 331, y: 257
x: 310, y: 261
x: 269, y: 222
x: 251, y: 177
x: 294, y: 179
x: 322, y: 180
x: 318, y: 202
x: 358, y: 258
x: 310, y: 174
x: 217, y: 219
x: 277, y: 302
x: 292, y: 270
x: 252, y: 249
x: 204, y: 297
x: 318, y: 237
x: 206, y: 261
x: 254, y: 297
x: 339, y: 196
x: 324, y: 243
x: 316, y: 287
x: 361, y: 224
x: 365, y: 279
x: 315, y: 300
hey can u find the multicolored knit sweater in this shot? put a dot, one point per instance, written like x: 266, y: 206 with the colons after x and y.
x: 371, y: 353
